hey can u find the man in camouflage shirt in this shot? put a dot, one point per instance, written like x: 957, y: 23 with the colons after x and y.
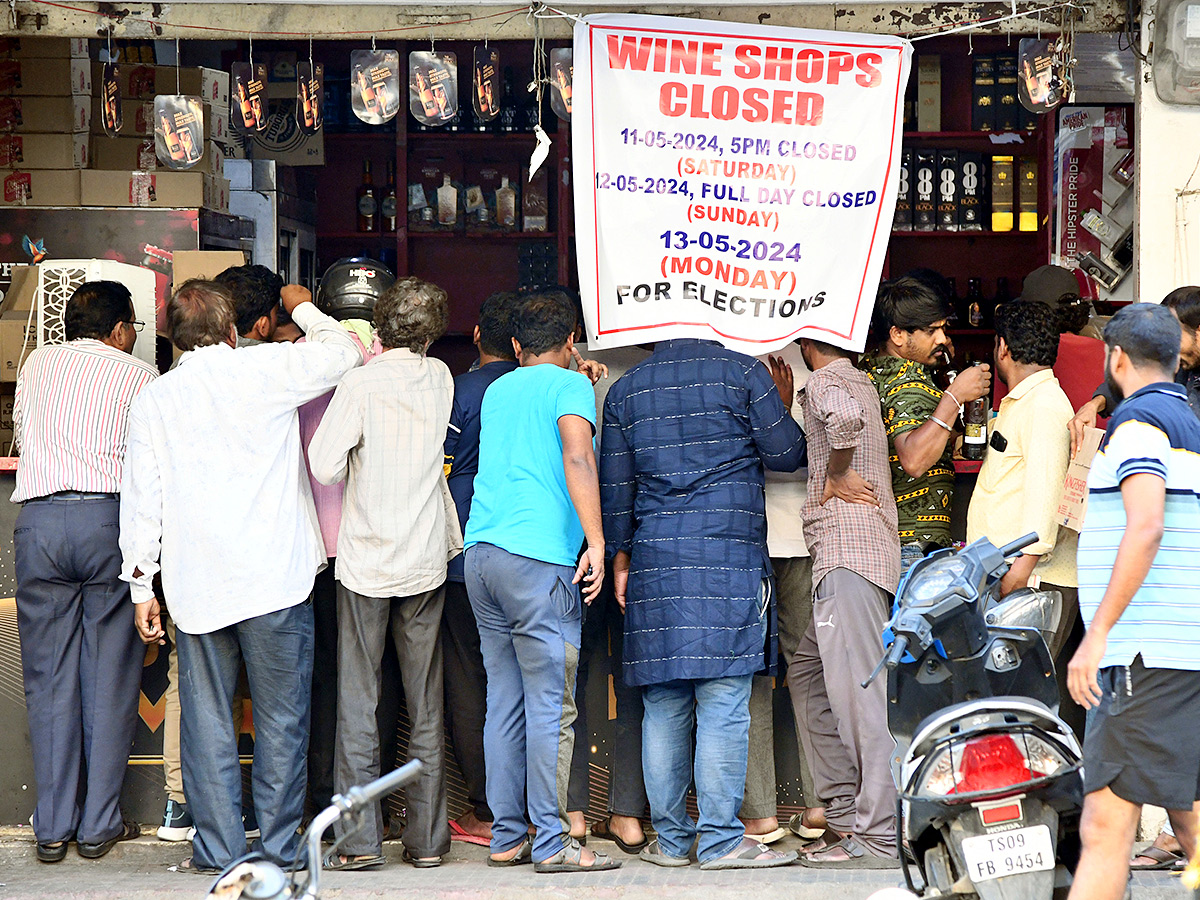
x: 909, y: 329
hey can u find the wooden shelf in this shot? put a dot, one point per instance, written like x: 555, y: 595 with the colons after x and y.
x: 1006, y: 137
x: 356, y: 236
x: 486, y: 235
x: 514, y: 137
x: 924, y: 235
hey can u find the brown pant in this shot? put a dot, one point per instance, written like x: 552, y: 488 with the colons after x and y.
x: 844, y: 727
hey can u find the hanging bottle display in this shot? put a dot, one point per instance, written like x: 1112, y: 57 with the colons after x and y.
x: 375, y: 85
x: 486, y: 94
x: 310, y: 96
x: 248, y: 97
x: 1039, y: 81
x: 562, y: 73
x: 178, y: 130
x: 433, y: 87
x: 110, y: 99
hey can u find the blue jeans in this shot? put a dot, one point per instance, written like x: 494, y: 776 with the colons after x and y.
x: 719, y: 708
x: 278, y: 651
x: 529, y: 617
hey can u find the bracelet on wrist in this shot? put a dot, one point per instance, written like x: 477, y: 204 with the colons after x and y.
x: 949, y: 393
x: 940, y: 422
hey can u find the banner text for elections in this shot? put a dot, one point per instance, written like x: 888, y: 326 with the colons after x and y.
x: 757, y: 62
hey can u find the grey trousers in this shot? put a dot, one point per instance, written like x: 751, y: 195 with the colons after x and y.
x: 793, y: 611
x: 416, y: 628
x: 844, y: 727
x: 82, y: 663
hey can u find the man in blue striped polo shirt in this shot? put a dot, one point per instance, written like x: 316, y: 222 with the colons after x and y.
x: 1139, y: 664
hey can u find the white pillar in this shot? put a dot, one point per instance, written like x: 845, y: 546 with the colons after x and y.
x: 1167, y: 236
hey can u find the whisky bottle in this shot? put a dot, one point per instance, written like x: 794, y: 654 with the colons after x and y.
x: 368, y: 205
x: 191, y: 152
x: 973, y: 303
x: 563, y: 78
x: 387, y: 206
x: 428, y: 102
x: 506, y: 205
x: 975, y: 429
x: 481, y: 91
x: 508, y: 104
x: 171, y: 139
x: 365, y: 89
x: 249, y: 119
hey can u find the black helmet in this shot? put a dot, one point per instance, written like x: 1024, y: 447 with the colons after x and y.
x: 350, y: 287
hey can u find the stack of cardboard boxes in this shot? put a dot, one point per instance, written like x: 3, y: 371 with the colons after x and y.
x: 53, y: 150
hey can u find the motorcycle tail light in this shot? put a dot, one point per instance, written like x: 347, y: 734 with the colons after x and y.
x: 989, y: 763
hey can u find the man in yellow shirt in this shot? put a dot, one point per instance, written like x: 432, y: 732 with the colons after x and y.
x: 1020, y: 483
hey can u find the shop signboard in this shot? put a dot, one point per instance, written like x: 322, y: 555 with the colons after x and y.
x: 732, y: 182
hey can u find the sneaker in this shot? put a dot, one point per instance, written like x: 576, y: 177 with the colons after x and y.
x: 250, y: 823
x: 176, y: 823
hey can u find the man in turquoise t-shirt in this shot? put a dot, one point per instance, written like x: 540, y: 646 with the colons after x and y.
x: 536, y: 499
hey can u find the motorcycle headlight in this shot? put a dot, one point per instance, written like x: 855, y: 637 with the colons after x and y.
x: 932, y: 581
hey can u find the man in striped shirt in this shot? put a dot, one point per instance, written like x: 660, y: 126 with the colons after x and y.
x: 1138, y: 667
x: 81, y: 657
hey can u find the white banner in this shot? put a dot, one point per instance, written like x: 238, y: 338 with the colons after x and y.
x: 732, y: 182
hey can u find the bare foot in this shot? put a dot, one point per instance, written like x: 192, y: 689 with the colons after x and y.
x: 627, y: 828
x: 474, y: 826
x: 578, y: 825
x: 508, y: 854
x: 814, y: 817
x: 761, y: 826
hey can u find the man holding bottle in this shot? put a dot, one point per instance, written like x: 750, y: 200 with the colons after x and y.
x: 909, y: 329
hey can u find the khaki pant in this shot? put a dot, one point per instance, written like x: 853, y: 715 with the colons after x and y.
x: 172, y: 768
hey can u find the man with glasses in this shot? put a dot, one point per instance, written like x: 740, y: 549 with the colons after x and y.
x: 80, y: 655
x: 909, y: 330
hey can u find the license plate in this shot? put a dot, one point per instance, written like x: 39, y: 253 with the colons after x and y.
x: 1004, y: 853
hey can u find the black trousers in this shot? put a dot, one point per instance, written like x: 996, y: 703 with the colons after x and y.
x: 465, y: 685
x: 82, y: 663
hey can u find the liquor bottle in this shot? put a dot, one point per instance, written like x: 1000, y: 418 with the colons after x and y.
x: 191, y: 152
x: 563, y: 77
x: 506, y: 205
x: 368, y: 205
x: 481, y: 91
x: 508, y: 104
x: 1003, y: 294
x: 952, y: 301
x: 447, y: 202
x: 387, y: 206
x: 429, y: 103
x: 975, y: 429
x: 973, y: 303
x: 246, y: 108
x: 174, y: 146
x: 365, y: 89
x: 530, y: 111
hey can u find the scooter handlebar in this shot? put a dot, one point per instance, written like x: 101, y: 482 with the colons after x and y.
x: 1019, y: 544
x: 891, y: 659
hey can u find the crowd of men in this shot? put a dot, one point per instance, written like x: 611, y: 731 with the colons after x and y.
x: 302, y: 508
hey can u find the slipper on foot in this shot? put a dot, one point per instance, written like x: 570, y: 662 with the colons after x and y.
x: 189, y: 867
x: 652, y: 853
x: 799, y: 829
x: 52, y: 852
x: 857, y: 857
x: 418, y: 863
x: 602, y: 828
x: 570, y: 859
x: 458, y: 833
x: 1163, y: 859
x: 750, y: 855
x: 770, y: 837
x: 352, y: 864
x: 523, y: 858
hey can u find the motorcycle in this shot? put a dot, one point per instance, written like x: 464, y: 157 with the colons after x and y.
x: 253, y: 877
x: 988, y: 775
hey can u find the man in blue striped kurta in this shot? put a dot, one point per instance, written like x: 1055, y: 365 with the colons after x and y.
x: 1139, y: 663
x: 686, y: 435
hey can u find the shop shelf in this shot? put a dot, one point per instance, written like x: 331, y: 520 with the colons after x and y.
x: 389, y: 236
x: 485, y: 235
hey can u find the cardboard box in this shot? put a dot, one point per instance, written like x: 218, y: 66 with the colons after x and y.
x: 1003, y: 193
x: 929, y: 93
x: 138, y: 153
x: 947, y: 190
x: 17, y: 340
x: 1073, y: 506
x: 972, y: 183
x: 45, y: 77
x: 46, y: 151
x: 155, y: 188
x: 43, y: 48
x: 39, y: 187
x: 207, y: 264
x: 46, y: 115
x: 138, y: 120
x: 903, y: 219
x: 924, y: 190
x: 21, y: 289
x: 141, y: 82
x: 983, y: 94
x: 7, y: 401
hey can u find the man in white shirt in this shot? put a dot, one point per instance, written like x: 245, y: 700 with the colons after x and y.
x: 384, y: 433
x: 81, y: 661
x: 214, y: 483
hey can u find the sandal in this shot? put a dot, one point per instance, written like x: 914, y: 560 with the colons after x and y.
x: 418, y: 863
x: 652, y: 853
x: 1163, y: 859
x: 336, y: 863
x: 570, y: 859
x: 857, y: 857
x: 827, y: 839
x: 52, y: 852
x: 750, y: 855
x: 524, y: 857
x: 769, y: 838
x: 799, y: 829
x: 189, y: 867
x: 602, y: 828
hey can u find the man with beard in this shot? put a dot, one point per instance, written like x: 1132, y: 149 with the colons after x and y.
x: 909, y: 328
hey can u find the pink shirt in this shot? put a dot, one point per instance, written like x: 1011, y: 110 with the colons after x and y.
x: 327, y: 497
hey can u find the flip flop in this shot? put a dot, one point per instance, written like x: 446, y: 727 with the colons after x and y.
x: 602, y: 828
x: 189, y: 867
x: 570, y: 859
x: 751, y: 855
x: 859, y: 858
x: 1163, y: 859
x: 827, y: 839
x: 652, y: 853
x: 417, y: 863
x: 523, y: 858
x: 336, y: 864
x: 458, y: 833
x: 770, y: 837
x: 799, y: 829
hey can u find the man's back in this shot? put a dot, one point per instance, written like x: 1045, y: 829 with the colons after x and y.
x: 217, y: 445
